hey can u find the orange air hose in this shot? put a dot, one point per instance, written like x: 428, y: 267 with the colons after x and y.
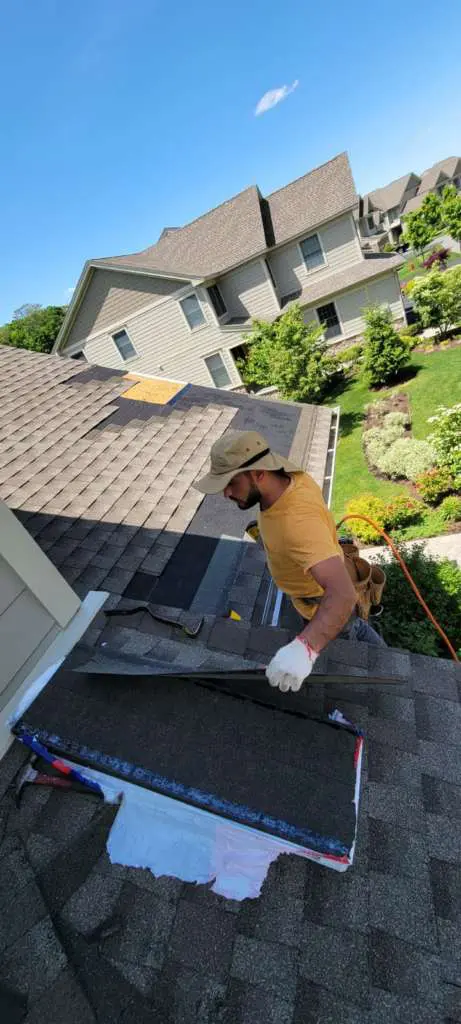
x: 408, y: 575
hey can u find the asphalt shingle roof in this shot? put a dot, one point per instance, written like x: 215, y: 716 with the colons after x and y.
x: 389, y: 196
x: 88, y: 941
x: 318, y: 196
x: 235, y: 231
x: 370, y: 267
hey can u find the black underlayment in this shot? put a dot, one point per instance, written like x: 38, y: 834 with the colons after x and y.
x: 180, y: 579
x: 280, y: 769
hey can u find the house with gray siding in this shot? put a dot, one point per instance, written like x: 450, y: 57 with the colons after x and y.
x: 182, y: 308
x: 380, y: 212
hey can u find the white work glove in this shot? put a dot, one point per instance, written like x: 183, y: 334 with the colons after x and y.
x: 291, y: 665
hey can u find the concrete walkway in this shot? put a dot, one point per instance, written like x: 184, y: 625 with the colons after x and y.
x: 447, y: 546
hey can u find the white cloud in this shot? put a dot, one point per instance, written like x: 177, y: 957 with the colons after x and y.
x: 274, y: 96
x: 70, y: 291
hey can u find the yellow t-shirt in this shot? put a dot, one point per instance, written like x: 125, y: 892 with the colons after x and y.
x: 298, y: 531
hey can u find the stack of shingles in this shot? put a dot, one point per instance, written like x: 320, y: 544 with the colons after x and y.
x: 98, y: 500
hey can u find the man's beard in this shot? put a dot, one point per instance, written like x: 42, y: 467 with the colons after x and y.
x: 254, y: 498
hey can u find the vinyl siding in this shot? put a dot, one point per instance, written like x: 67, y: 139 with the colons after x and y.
x: 24, y: 624
x: 349, y: 305
x: 340, y: 246
x: 35, y: 602
x: 165, y: 346
x: 247, y: 291
x: 111, y: 296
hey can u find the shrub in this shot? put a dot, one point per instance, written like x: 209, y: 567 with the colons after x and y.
x: 290, y: 354
x: 410, y: 330
x: 438, y: 258
x: 450, y: 508
x: 407, y: 458
x: 389, y: 247
x: 446, y: 437
x: 434, y: 484
x: 386, y: 353
x: 350, y: 355
x: 412, y: 339
x: 396, y: 419
x: 404, y: 621
x: 437, y: 299
x: 403, y: 509
x: 378, y: 440
x: 366, y: 505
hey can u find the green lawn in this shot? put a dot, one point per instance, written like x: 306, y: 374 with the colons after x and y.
x: 437, y: 381
x: 406, y: 275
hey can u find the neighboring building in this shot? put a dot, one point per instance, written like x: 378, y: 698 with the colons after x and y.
x: 182, y: 307
x: 446, y: 172
x: 380, y: 212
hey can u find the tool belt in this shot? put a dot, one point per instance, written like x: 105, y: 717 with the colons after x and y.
x: 369, y: 580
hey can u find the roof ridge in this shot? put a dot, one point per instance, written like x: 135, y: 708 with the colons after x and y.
x: 308, y: 173
x: 218, y: 206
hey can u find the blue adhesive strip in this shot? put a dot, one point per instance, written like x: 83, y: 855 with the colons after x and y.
x: 178, y: 791
x: 179, y: 394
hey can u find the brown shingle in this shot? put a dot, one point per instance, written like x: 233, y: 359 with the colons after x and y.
x: 320, y: 195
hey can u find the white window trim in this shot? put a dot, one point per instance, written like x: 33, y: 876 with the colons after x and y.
x: 130, y: 358
x: 329, y: 302
x: 313, y: 270
x: 209, y: 355
x: 200, y: 327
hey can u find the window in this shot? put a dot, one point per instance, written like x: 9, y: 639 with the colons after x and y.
x: 217, y: 370
x: 393, y: 214
x: 371, y: 222
x: 269, y: 271
x: 124, y: 345
x: 329, y: 319
x: 217, y: 300
x: 192, y: 311
x: 312, y: 252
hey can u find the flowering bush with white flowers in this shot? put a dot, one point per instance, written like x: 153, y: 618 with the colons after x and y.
x: 446, y: 438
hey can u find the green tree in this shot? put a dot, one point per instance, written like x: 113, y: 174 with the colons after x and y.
x: 451, y: 212
x: 36, y: 330
x: 417, y: 232
x: 437, y: 299
x: 25, y: 310
x: 290, y: 355
x: 386, y: 352
x: 431, y: 212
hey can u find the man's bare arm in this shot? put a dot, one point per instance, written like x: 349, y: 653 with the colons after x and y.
x: 337, y: 603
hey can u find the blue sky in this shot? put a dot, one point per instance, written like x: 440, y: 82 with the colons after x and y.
x: 119, y: 117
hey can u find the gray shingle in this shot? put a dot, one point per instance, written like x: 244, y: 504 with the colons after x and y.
x: 446, y: 889
x: 145, y: 929
x: 204, y: 938
x: 35, y: 960
x: 337, y: 960
x: 93, y: 902
x: 398, y: 967
x: 268, y: 964
x: 315, y: 1005
x: 397, y: 851
x: 253, y: 1004
x: 336, y: 899
x: 438, y: 720
x: 396, y: 805
x: 403, y: 908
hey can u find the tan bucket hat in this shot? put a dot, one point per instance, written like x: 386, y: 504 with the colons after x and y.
x: 237, y: 451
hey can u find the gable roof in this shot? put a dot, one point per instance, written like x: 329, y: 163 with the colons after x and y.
x: 320, y: 195
x: 448, y: 167
x: 390, y: 195
x: 227, y: 235
x: 246, y: 225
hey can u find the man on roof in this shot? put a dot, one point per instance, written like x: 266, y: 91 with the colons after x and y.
x: 303, y: 552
